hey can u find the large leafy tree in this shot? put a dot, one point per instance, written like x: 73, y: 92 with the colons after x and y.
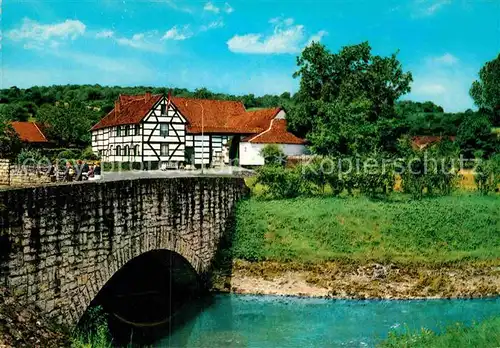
x: 474, y: 136
x: 486, y: 90
x: 345, y: 104
x: 10, y: 144
x: 68, y: 123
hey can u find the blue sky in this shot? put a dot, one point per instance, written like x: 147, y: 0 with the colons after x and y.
x: 242, y: 46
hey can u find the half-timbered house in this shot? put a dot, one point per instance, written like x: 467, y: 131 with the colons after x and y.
x: 157, y: 129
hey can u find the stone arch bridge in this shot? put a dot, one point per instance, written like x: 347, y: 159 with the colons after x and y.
x: 60, y: 244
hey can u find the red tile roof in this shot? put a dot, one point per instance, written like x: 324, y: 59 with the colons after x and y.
x: 275, y: 134
x: 426, y: 140
x: 29, y: 132
x: 129, y: 109
x: 255, y: 121
x: 219, y: 116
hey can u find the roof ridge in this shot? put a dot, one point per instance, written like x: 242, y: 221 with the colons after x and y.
x: 38, y: 128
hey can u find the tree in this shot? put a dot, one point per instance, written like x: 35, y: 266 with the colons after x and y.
x: 345, y: 104
x: 14, y: 112
x: 10, y: 144
x: 486, y: 91
x: 69, y: 124
x: 474, y: 134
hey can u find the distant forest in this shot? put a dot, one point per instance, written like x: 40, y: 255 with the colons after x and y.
x: 88, y: 103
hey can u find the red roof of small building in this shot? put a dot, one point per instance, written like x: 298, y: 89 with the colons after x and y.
x: 426, y: 140
x: 275, y: 134
x: 29, y: 132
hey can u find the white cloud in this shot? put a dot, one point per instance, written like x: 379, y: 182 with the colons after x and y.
x: 445, y: 81
x: 212, y: 25
x: 447, y: 59
x: 210, y: 7
x: 178, y: 34
x: 429, y: 88
x: 318, y: 36
x: 104, y: 34
x: 228, y: 9
x: 286, y: 38
x: 175, y: 5
x: 142, y: 41
x: 426, y: 8
x: 36, y: 35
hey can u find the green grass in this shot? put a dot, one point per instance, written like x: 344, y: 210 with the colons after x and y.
x: 485, y: 335
x: 430, y: 231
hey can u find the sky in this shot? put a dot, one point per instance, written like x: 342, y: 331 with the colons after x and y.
x: 243, y: 46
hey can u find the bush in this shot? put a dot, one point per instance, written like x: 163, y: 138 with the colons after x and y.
x: 32, y: 157
x: 376, y: 181
x: 281, y: 182
x: 315, y: 173
x: 273, y: 155
x: 487, y: 175
x: 68, y: 154
x: 92, y: 330
x: 88, y: 154
x: 428, y: 173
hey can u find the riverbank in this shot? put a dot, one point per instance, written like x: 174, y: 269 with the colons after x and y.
x: 370, y: 281
x: 355, y: 247
x: 25, y: 326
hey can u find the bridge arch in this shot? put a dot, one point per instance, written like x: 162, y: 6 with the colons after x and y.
x: 60, y: 244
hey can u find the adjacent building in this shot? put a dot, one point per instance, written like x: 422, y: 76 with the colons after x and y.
x: 156, y: 129
x: 30, y: 133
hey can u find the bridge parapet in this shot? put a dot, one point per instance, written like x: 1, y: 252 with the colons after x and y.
x: 60, y: 244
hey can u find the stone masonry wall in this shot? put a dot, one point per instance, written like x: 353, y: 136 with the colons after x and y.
x: 4, y: 172
x: 12, y: 175
x: 60, y: 244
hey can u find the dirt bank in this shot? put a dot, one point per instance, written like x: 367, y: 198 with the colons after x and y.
x: 25, y: 326
x: 339, y: 280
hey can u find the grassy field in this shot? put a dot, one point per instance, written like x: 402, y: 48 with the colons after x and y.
x: 485, y: 335
x: 431, y: 231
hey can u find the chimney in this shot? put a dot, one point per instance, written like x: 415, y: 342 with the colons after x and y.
x: 117, y: 106
x: 148, y: 96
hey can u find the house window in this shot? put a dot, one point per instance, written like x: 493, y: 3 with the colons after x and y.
x: 163, y: 109
x: 126, y: 151
x: 118, y: 150
x: 163, y: 129
x: 137, y: 129
x: 126, y: 130
x: 164, y: 150
x: 136, y: 150
x: 119, y: 131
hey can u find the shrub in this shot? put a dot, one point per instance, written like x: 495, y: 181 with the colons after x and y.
x: 487, y: 175
x: 88, y: 154
x: 427, y: 173
x: 68, y: 154
x: 315, y: 173
x: 273, y: 155
x: 92, y: 330
x: 376, y: 181
x: 30, y: 156
x: 281, y: 182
